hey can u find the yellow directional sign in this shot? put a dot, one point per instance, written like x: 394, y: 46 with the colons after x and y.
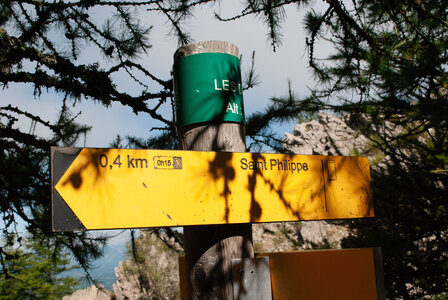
x: 122, y: 188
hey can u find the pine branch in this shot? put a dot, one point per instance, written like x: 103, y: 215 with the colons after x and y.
x: 347, y: 20
x: 23, y: 138
x: 55, y: 129
x: 253, y: 9
x: 167, y: 84
x: 251, y: 79
x: 182, y: 36
x: 181, y: 8
x: 78, y: 80
x: 60, y: 5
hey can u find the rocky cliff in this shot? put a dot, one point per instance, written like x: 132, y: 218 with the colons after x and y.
x: 92, y: 292
x: 328, y: 135
x: 152, y: 270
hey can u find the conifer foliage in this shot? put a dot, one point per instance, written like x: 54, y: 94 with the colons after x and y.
x: 387, y: 70
x: 389, y: 66
x: 41, y: 44
x: 35, y: 271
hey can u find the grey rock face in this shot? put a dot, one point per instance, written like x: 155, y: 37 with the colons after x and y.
x: 155, y: 276
x: 290, y: 236
x: 328, y: 135
x: 90, y: 293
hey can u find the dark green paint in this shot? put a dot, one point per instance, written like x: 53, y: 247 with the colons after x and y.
x: 208, y: 89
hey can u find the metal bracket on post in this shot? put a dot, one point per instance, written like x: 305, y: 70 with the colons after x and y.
x: 251, y: 279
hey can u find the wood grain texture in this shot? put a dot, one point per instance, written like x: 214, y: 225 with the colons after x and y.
x: 213, y: 137
x: 209, y: 250
x: 206, y: 47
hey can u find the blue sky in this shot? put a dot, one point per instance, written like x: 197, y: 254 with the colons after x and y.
x: 275, y: 69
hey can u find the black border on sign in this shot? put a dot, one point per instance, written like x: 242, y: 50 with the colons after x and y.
x: 62, y: 216
x: 379, y: 274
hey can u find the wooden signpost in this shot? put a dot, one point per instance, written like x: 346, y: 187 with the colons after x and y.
x: 214, y: 124
x: 216, y: 191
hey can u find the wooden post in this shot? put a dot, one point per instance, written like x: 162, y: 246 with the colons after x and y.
x: 209, y: 249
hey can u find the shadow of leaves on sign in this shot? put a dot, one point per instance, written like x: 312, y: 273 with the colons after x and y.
x: 85, y: 160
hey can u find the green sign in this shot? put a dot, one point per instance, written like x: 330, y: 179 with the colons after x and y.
x: 208, y: 89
